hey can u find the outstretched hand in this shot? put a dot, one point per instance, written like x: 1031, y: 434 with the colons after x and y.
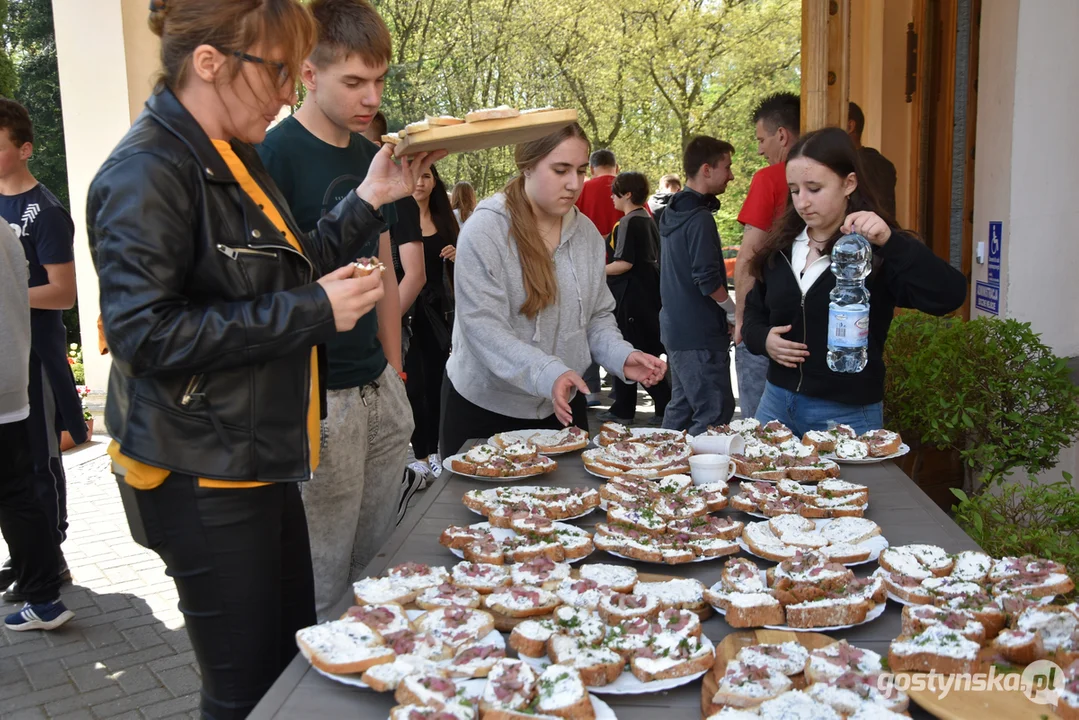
x: 387, y: 181
x: 644, y: 368
x: 561, y: 393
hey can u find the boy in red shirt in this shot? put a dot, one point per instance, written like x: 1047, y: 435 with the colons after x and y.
x: 598, y: 206
x: 778, y: 120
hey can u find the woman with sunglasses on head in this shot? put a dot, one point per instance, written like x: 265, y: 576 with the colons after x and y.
x: 213, y: 304
x: 787, y: 310
x: 533, y: 307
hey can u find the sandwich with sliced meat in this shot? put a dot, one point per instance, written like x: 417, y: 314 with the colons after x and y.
x: 342, y: 647
x: 671, y: 655
x: 522, y: 601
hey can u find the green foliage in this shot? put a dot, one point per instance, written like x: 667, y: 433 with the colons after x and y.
x: 31, y: 44
x: 9, y: 78
x: 988, y: 388
x: 644, y: 75
x: 74, y: 359
x: 1024, y: 518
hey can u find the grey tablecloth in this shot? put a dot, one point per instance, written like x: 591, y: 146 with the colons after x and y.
x: 903, y: 511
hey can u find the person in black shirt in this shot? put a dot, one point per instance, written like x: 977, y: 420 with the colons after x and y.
x: 879, y: 170
x: 633, y: 277
x: 432, y: 321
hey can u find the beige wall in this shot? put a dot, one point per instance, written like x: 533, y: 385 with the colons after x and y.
x: 106, y: 56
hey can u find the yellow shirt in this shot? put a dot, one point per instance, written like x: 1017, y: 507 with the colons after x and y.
x: 146, y: 477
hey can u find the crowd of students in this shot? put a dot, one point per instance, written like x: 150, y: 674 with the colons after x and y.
x: 273, y: 407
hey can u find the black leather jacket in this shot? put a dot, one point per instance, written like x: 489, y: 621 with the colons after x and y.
x: 209, y: 314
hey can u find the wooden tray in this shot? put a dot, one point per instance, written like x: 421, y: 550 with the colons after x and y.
x: 487, y: 134
x: 981, y: 705
x: 728, y: 649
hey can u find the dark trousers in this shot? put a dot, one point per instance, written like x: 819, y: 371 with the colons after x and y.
x: 425, y: 365
x: 463, y: 420
x: 242, y: 565
x: 43, y: 427
x: 23, y: 521
x: 625, y: 398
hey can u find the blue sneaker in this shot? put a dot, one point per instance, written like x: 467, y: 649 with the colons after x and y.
x: 42, y: 616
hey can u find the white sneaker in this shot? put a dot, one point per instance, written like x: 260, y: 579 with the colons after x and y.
x: 423, y: 470
x: 435, y: 461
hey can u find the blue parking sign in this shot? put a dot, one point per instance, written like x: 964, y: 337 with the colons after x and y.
x: 987, y: 298
x: 996, y: 240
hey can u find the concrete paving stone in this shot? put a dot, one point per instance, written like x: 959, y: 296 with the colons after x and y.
x: 39, y: 697
x: 178, y: 641
x: 172, y: 707
x: 91, y: 676
x: 131, y: 702
x: 105, y: 617
x: 8, y: 668
x: 143, y: 637
x: 180, y: 681
x: 30, y: 713
x: 76, y: 597
x: 173, y: 661
x: 83, y: 701
x: 122, y: 662
x: 14, y: 687
x: 112, y: 601
x: 102, y: 655
x: 17, y: 650
x: 46, y: 674
x: 81, y: 714
x: 137, y: 679
x: 53, y: 653
x: 12, y: 637
x: 135, y: 622
x: 63, y: 636
x: 102, y: 635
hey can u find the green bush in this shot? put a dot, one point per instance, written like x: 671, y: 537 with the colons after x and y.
x: 988, y: 388
x: 1024, y: 518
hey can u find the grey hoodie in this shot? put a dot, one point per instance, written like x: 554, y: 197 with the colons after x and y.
x: 504, y: 361
x: 14, y: 329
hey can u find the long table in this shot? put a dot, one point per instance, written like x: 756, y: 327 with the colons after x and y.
x: 904, y: 513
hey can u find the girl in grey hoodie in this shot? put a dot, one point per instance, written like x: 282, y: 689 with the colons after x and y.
x: 533, y: 308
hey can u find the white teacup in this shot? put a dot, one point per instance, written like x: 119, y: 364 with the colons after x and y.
x: 733, y: 444
x: 711, y: 468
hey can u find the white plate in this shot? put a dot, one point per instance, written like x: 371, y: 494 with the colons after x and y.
x: 803, y: 482
x: 903, y: 450
x: 872, y: 615
x: 524, y: 435
x: 492, y: 638
x: 876, y: 545
x: 627, y: 683
x: 460, y: 456
x: 501, y: 534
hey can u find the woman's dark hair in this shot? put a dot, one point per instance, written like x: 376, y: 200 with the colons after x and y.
x: 634, y: 183
x: 463, y: 199
x: 441, y: 212
x: 833, y: 148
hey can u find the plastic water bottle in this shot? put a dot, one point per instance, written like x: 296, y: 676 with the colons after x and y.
x: 848, y: 311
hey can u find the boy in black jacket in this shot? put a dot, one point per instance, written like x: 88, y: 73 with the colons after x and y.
x: 696, y: 314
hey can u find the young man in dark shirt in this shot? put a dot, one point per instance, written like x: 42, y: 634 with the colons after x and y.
x: 879, y: 170
x: 315, y: 157
x: 697, y: 311
x: 47, y: 234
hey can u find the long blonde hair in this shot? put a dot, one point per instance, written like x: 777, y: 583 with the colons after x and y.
x: 537, y: 267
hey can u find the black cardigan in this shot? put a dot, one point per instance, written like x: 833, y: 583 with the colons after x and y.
x: 905, y: 274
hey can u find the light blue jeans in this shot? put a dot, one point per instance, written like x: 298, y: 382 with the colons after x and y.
x: 802, y: 413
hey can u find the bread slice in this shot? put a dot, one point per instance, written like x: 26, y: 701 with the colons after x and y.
x: 936, y: 649
x: 683, y: 593
x: 384, y: 619
x: 448, y: 595
x: 456, y: 626
x: 619, y: 607
x: 495, y: 113
x: 511, y: 684
x: 1021, y: 647
x: 484, y: 578
x: 828, y: 664
x: 908, y: 590
x: 443, y: 120
x: 917, y: 618
x: 380, y: 591
x: 529, y: 638
x: 789, y: 658
x: 827, y: 612
x: 620, y: 578
x: 917, y: 561
x: 430, y: 689
x: 540, y: 571
x: 385, y: 677
x: 449, y: 711
x: 851, y: 530
x: 760, y: 540
x: 744, y: 686
x: 522, y: 601
x: 972, y: 566
x: 561, y: 693
x: 1055, y: 623
x: 795, y: 705
x: 983, y: 607
x: 846, y: 554
x: 597, y: 664
x: 342, y: 647
x: 671, y: 655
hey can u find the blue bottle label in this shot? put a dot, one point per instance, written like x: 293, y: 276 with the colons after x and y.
x: 848, y: 328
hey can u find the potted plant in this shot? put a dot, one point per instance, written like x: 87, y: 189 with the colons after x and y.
x: 66, y: 441
x: 988, y: 390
